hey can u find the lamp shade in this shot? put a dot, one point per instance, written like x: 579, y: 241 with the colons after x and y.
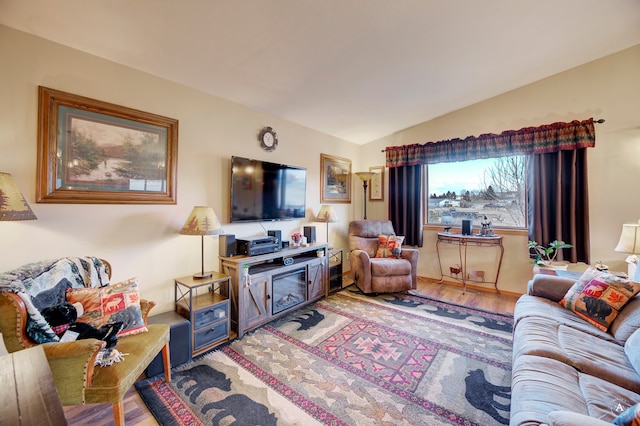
x: 327, y: 214
x: 629, y: 239
x: 13, y: 206
x: 365, y: 176
x: 202, y: 221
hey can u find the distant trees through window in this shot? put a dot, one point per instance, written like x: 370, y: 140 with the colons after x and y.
x: 473, y: 189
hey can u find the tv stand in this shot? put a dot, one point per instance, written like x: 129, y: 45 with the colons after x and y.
x: 264, y: 288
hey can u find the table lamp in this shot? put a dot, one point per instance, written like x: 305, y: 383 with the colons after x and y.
x: 13, y: 206
x: 365, y: 177
x: 327, y: 214
x: 630, y: 243
x: 202, y: 221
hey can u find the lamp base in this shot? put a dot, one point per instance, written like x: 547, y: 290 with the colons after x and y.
x: 202, y: 276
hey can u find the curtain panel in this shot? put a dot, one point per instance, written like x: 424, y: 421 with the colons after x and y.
x: 406, y: 202
x: 529, y: 140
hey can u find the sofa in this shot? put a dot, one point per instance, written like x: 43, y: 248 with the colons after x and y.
x: 79, y: 373
x: 374, y: 266
x: 566, y: 370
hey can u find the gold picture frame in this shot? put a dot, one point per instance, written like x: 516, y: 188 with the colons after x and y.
x: 335, y: 179
x: 376, y: 186
x: 94, y: 152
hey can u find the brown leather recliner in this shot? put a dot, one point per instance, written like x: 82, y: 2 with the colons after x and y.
x: 379, y: 275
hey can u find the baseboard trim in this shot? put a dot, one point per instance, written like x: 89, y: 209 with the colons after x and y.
x: 470, y: 286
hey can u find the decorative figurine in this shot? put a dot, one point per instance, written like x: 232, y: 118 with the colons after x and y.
x: 486, y: 230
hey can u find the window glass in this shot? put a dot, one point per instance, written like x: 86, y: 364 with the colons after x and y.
x: 473, y: 189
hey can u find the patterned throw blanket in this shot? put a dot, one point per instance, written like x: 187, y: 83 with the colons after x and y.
x: 42, y: 284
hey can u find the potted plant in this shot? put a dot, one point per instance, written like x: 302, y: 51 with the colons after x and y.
x: 546, y: 256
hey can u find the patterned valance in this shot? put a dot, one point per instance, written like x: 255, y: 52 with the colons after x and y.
x: 529, y: 140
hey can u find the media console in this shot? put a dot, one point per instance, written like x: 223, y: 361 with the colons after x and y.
x: 267, y: 286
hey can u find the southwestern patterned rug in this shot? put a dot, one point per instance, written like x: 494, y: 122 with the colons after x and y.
x: 350, y: 359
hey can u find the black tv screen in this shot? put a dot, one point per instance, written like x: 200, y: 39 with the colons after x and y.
x: 263, y: 191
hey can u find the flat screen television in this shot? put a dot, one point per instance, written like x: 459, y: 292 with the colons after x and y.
x: 263, y: 191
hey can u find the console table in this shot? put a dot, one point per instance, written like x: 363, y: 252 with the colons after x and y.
x: 267, y: 286
x: 463, y: 242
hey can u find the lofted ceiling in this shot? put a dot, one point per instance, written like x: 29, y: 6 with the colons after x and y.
x: 355, y: 69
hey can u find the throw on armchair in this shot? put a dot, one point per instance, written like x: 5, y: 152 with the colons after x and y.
x: 78, y: 380
x: 379, y: 274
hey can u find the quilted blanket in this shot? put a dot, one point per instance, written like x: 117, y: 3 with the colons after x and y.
x: 44, y: 283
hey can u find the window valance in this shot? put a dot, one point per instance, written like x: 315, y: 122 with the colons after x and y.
x: 529, y: 140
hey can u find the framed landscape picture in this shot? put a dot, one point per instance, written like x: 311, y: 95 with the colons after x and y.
x: 335, y: 179
x: 376, y: 186
x: 91, y: 151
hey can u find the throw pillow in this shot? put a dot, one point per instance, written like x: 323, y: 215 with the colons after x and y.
x: 383, y: 241
x: 116, y: 302
x: 395, y: 245
x: 630, y: 417
x: 598, y: 297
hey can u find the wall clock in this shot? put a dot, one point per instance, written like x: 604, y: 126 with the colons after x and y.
x: 268, y: 139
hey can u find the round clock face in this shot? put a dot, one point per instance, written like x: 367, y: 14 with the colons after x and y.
x: 268, y: 139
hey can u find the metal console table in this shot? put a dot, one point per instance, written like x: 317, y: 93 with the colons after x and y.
x: 463, y: 242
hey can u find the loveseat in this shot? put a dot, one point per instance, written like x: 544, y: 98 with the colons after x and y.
x: 566, y: 370
x: 27, y: 290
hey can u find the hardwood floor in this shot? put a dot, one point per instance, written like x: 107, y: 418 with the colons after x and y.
x: 486, y: 301
x: 136, y: 412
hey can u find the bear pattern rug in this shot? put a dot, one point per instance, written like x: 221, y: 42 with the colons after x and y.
x: 350, y: 359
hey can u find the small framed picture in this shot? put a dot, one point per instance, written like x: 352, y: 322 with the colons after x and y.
x: 376, y: 186
x: 335, y: 179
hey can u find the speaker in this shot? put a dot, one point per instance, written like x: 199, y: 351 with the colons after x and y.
x: 278, y: 235
x: 466, y: 227
x: 227, y: 245
x: 179, y: 341
x: 310, y: 233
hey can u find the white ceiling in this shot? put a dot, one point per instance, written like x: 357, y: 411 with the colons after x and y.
x: 355, y: 69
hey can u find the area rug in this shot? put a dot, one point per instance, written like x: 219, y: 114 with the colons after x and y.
x: 350, y: 359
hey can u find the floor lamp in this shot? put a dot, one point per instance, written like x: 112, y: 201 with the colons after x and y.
x: 365, y: 177
x: 13, y: 206
x: 327, y: 214
x: 202, y: 221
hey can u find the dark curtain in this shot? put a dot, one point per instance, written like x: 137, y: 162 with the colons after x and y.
x: 558, y: 204
x: 406, y: 204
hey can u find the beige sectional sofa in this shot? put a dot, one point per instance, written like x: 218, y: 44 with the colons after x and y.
x: 565, y: 370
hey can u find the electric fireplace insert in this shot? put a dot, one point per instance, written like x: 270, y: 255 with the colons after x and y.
x: 288, y: 289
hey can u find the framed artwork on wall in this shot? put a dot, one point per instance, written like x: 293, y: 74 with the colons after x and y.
x: 94, y: 152
x: 335, y: 179
x: 376, y: 186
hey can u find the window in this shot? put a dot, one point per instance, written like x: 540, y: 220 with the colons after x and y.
x: 473, y: 189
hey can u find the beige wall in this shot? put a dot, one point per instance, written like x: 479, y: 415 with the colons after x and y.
x: 143, y: 241
x: 608, y: 88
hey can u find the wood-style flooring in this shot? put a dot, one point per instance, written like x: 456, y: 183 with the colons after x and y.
x: 136, y: 412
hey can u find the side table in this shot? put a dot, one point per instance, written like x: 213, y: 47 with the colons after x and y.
x: 335, y: 270
x: 205, y: 303
x: 28, y: 394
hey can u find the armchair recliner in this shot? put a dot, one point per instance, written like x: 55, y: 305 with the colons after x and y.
x: 72, y: 363
x: 379, y: 275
